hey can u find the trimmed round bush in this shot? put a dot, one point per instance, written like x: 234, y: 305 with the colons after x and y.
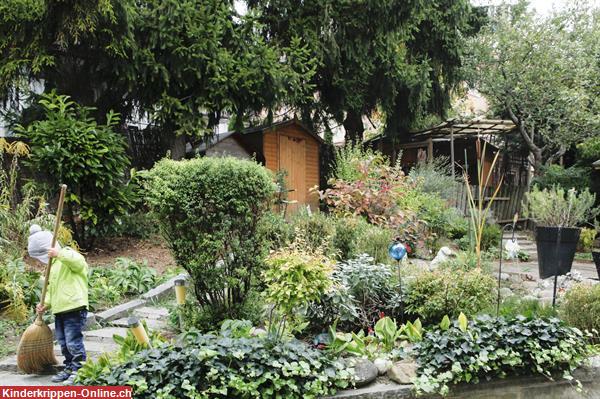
x: 209, y: 211
x: 581, y: 309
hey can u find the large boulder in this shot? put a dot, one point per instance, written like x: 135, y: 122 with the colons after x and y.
x: 365, y: 372
x: 403, y: 372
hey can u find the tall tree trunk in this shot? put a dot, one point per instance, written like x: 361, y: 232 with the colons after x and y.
x: 178, y: 147
x: 536, y: 152
x: 354, y: 127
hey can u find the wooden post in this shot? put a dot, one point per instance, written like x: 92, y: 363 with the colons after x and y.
x: 430, y: 149
x: 452, y: 151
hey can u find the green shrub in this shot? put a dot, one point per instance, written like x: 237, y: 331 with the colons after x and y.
x: 195, y: 316
x: 296, y: 277
x: 137, y: 224
x: 19, y: 289
x: 567, y: 178
x: 375, y: 241
x: 277, y: 231
x: 317, y: 229
x: 432, y: 295
x: 457, y: 226
x: 435, y: 177
x: 349, y: 160
x: 132, y: 278
x: 581, y: 308
x: 467, y: 260
x: 556, y: 207
x: 367, y: 288
x: 586, y: 239
x: 210, y: 210
x: 529, y: 308
x: 490, y: 238
x: 208, y: 366
x: 343, y: 237
x: 68, y: 146
x: 589, y: 150
x: 496, y: 347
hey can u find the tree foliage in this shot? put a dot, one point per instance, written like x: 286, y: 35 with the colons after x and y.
x: 401, y: 57
x: 542, y: 73
x: 68, y: 146
x: 178, y: 65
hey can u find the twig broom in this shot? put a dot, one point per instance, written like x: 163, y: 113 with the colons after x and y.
x: 36, y: 349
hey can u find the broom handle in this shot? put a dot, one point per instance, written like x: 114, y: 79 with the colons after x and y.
x: 61, y: 200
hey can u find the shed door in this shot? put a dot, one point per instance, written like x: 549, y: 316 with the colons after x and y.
x: 292, y: 159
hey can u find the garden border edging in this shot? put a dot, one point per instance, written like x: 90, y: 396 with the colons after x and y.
x: 586, y: 374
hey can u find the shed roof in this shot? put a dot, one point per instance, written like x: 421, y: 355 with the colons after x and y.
x: 460, y: 129
x: 466, y: 128
x: 258, y: 129
x: 283, y: 123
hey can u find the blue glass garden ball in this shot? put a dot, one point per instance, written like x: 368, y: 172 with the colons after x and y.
x: 397, y: 251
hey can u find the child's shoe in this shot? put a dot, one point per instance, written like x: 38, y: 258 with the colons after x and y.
x: 62, y: 376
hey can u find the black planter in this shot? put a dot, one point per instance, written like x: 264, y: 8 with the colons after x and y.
x: 552, y: 262
x: 596, y: 256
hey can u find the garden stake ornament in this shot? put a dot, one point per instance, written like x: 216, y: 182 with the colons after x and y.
x: 138, y: 331
x: 36, y: 348
x: 512, y: 226
x: 180, y: 292
x: 397, y: 251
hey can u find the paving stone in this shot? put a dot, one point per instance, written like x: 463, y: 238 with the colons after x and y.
x: 94, y: 348
x: 13, y: 379
x: 120, y: 311
x: 9, y: 364
x: 164, y: 289
x: 147, y: 312
x: 104, y: 334
x: 152, y: 324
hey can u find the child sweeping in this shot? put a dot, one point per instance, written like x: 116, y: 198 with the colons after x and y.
x: 67, y: 298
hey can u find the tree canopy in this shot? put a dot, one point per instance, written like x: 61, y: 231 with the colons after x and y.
x: 399, y: 57
x: 178, y: 65
x: 543, y: 73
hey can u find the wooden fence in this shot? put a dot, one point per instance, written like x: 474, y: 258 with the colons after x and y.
x: 508, y: 201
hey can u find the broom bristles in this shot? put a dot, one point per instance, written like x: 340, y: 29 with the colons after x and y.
x: 36, y: 349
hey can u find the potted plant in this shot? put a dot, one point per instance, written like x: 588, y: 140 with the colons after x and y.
x: 557, y: 214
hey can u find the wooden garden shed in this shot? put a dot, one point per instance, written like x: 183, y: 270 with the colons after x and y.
x: 286, y: 145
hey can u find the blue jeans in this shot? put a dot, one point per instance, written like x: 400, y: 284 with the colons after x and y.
x: 68, y: 332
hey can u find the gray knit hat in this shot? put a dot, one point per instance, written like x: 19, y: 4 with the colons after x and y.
x: 39, y: 243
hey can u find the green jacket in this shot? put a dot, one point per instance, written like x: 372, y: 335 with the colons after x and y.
x: 68, y: 282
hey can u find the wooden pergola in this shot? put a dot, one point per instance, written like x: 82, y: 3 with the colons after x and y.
x: 455, y: 129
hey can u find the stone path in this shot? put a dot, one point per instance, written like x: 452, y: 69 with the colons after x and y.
x: 97, y: 342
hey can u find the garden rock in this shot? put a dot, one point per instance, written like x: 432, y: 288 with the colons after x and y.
x: 443, y: 254
x: 403, y: 372
x: 504, y: 276
x: 383, y: 365
x: 365, y: 372
x: 505, y: 292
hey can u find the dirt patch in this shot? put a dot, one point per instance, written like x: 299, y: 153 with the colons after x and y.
x: 153, y: 250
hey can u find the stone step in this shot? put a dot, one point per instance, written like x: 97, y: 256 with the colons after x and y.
x: 153, y: 313
x: 104, y: 334
x: 15, y: 379
x: 94, y: 348
x: 153, y: 324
